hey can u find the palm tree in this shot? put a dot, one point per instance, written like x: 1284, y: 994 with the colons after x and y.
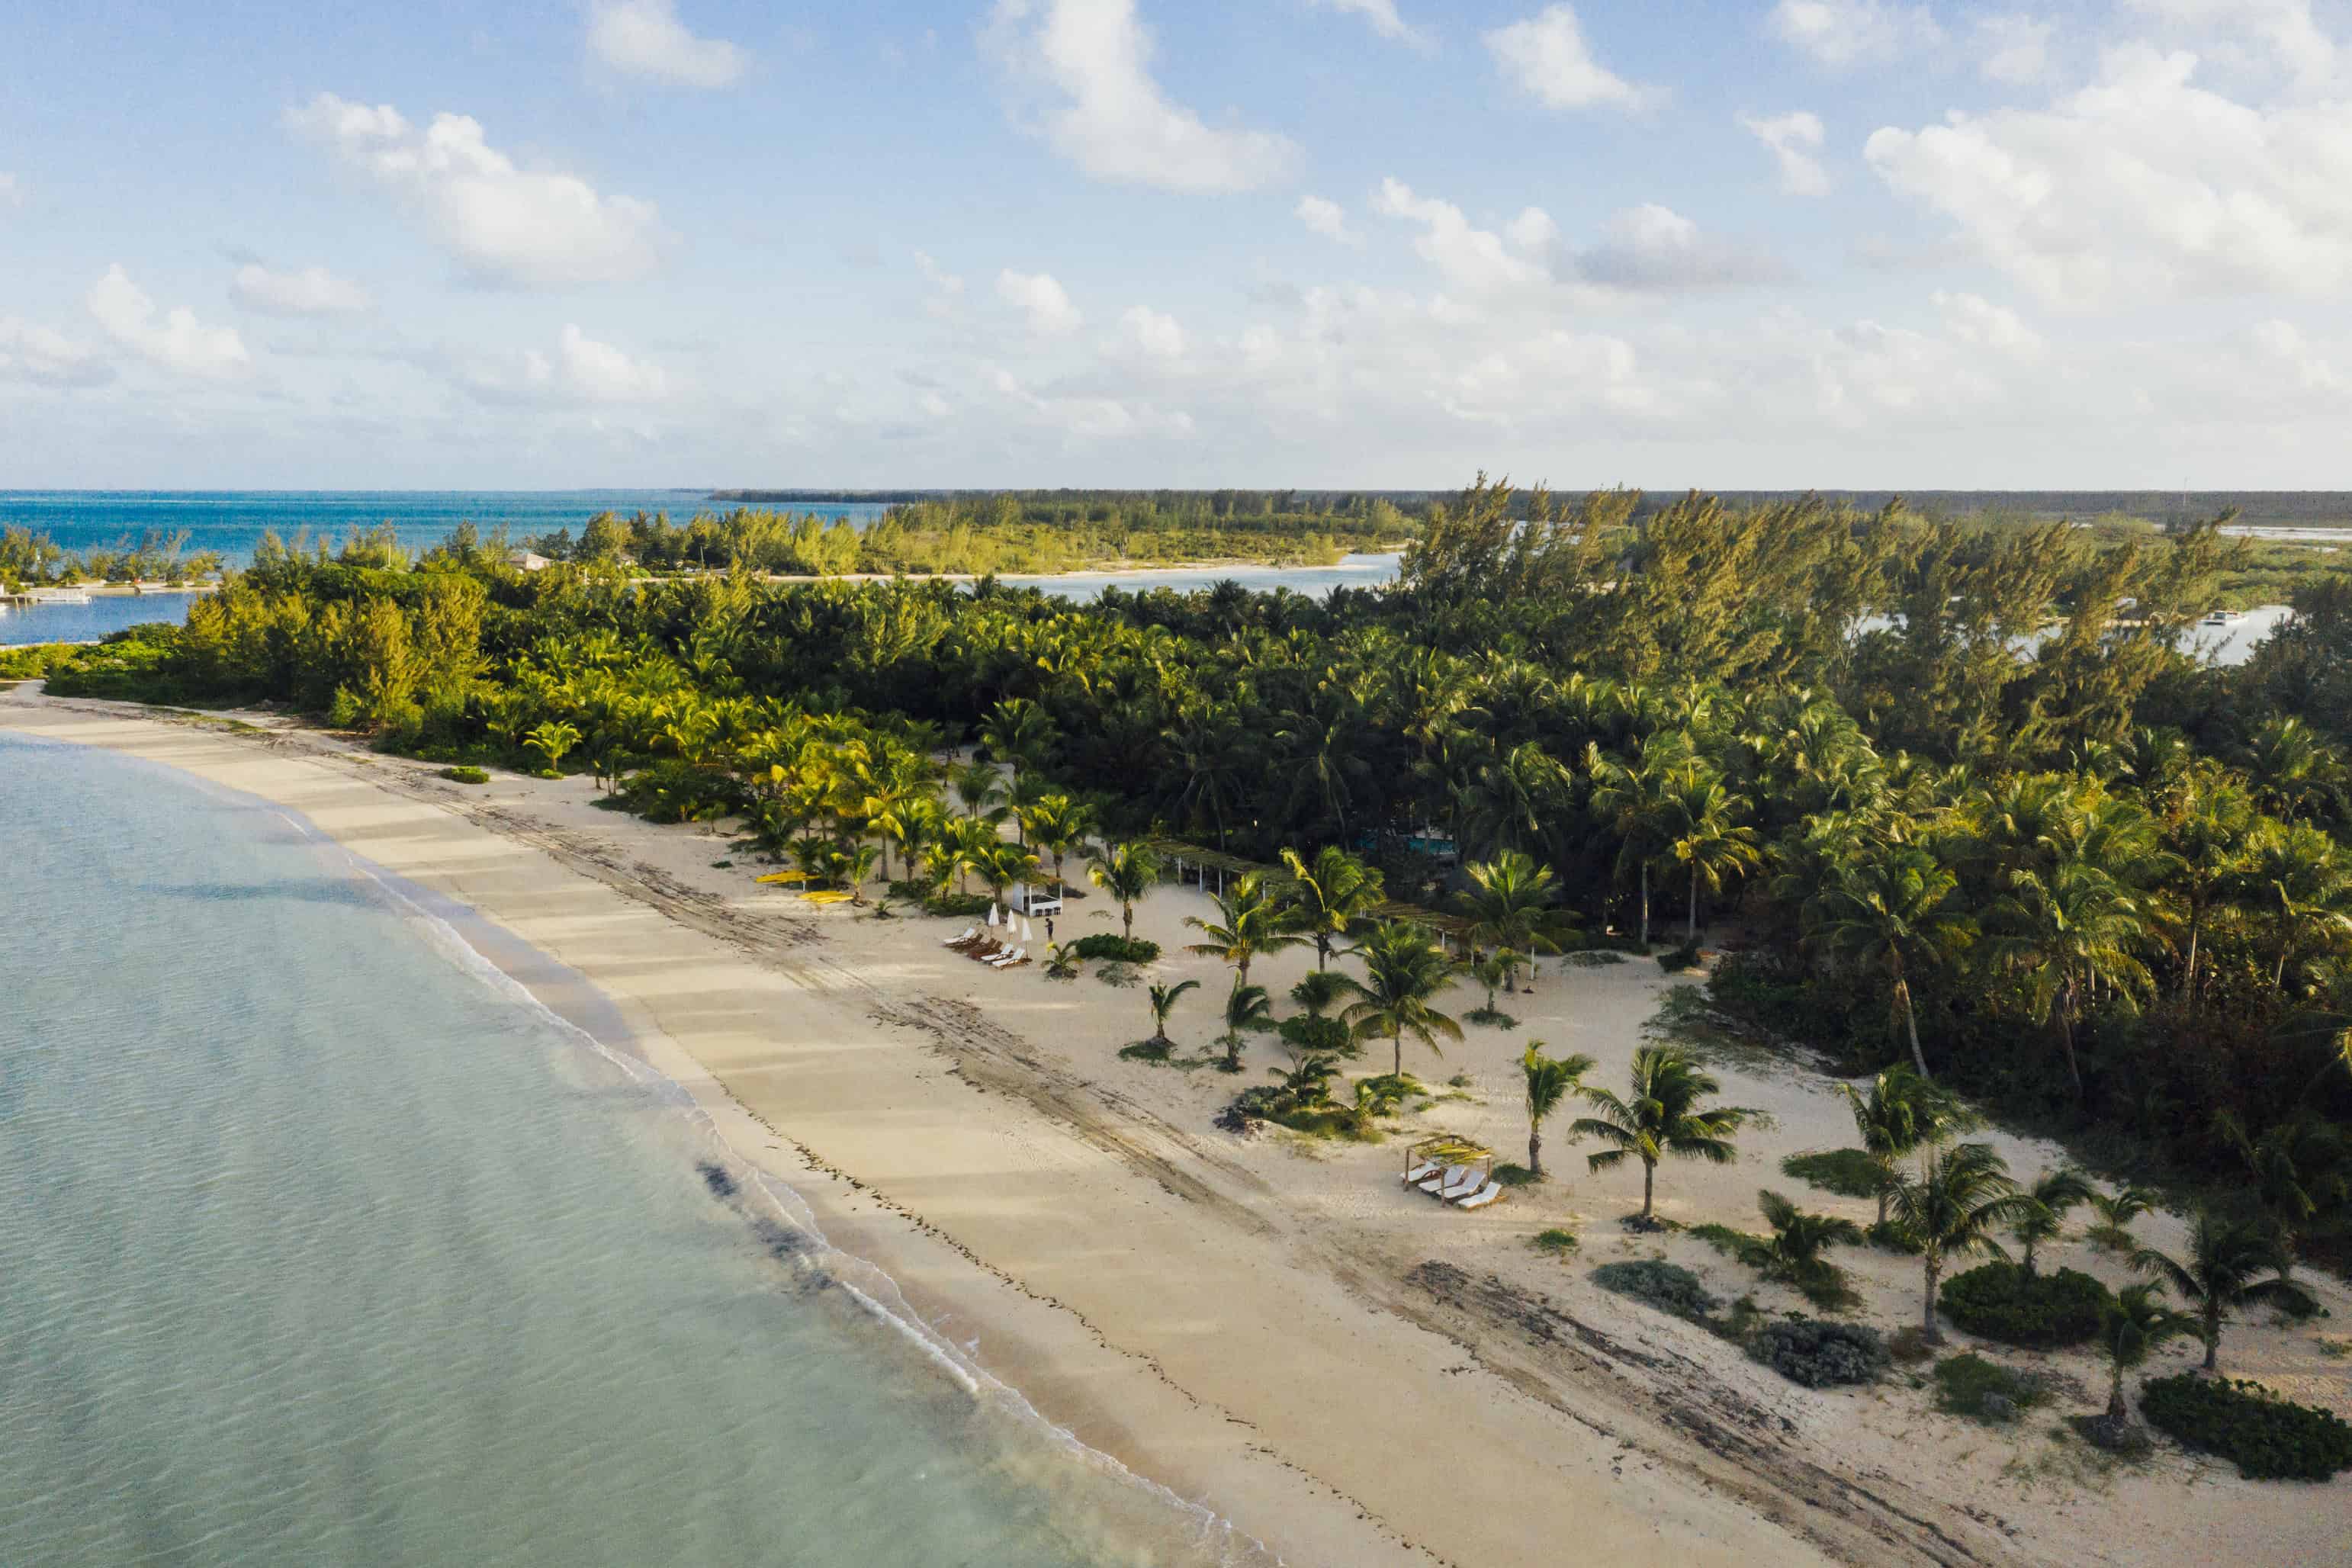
x: 1950, y: 1208
x: 1163, y: 997
x: 550, y: 741
x: 2295, y: 874
x: 1549, y: 1080
x: 1902, y: 1110
x: 1510, y: 898
x: 978, y: 790
x: 1246, y: 1007
x: 1630, y: 800
x: 1017, y: 733
x: 1053, y: 825
x: 1402, y: 971
x: 1793, y: 1253
x: 1895, y: 911
x: 1003, y: 864
x: 1248, y: 923
x: 2209, y: 839
x: 965, y: 845
x: 2067, y: 933
x: 2132, y: 1326
x: 2116, y: 1211
x: 1328, y: 897
x: 1514, y: 797
x: 1661, y: 1117
x: 1127, y: 873
x: 2298, y: 1166
x: 1318, y: 989
x: 2229, y: 1263
x: 2049, y: 1199
x: 1703, y: 833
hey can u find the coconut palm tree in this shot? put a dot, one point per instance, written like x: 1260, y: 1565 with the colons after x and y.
x: 2229, y: 1263
x: 1510, y: 901
x: 1402, y: 971
x: 2066, y: 934
x: 2049, y: 1199
x: 1950, y: 1208
x: 1900, y: 1112
x: 1318, y: 990
x: 2209, y: 838
x: 1549, y: 1080
x: 1127, y: 873
x: 978, y: 791
x: 1793, y: 1252
x: 2117, y: 1211
x: 2299, y: 1166
x: 1017, y: 733
x: 1002, y: 865
x: 1163, y: 998
x: 1895, y: 911
x: 1329, y: 896
x: 1246, y: 1007
x: 2132, y: 1327
x: 1661, y: 1117
x: 551, y: 740
x: 2295, y: 875
x: 1630, y: 800
x: 1248, y: 924
x: 1704, y: 834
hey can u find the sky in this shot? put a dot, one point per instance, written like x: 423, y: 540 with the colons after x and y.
x: 1136, y: 243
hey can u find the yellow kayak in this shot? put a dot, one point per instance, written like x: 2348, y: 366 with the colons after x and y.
x: 776, y: 877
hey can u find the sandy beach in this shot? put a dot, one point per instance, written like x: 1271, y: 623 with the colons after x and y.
x: 1270, y: 1327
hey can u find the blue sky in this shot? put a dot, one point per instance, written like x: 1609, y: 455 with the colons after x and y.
x: 1137, y: 242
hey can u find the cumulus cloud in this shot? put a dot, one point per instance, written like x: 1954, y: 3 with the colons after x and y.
x: 1326, y: 218
x: 1113, y: 120
x: 1546, y: 56
x: 645, y: 37
x: 2285, y: 29
x: 580, y: 372
x: 30, y: 352
x: 1041, y: 301
x: 946, y: 288
x: 311, y: 292
x: 2141, y: 181
x: 177, y: 342
x: 2283, y: 345
x: 1382, y: 16
x: 1654, y: 247
x: 1841, y: 33
x: 1148, y: 335
x: 2016, y: 48
x: 1972, y: 319
x: 603, y: 374
x: 1469, y: 257
x: 1793, y: 138
x: 1089, y: 417
x: 504, y: 224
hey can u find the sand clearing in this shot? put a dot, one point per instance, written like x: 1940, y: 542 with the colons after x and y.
x: 1270, y: 1326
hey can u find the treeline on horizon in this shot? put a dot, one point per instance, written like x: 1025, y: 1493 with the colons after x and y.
x: 34, y: 558
x: 2108, y: 884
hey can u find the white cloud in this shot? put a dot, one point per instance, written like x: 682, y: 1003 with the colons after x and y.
x: 581, y: 372
x: 2283, y: 344
x: 1328, y: 219
x: 29, y: 351
x: 312, y: 291
x: 1381, y: 15
x: 1115, y: 121
x: 946, y: 288
x: 645, y: 37
x: 1470, y: 257
x: 2016, y: 48
x: 2141, y: 183
x: 603, y: 374
x: 503, y: 224
x: 12, y: 190
x: 1088, y: 417
x: 2285, y: 28
x: 1841, y: 33
x: 1546, y: 55
x: 1654, y: 247
x: 1148, y: 335
x: 1972, y: 319
x: 1041, y: 301
x: 1795, y: 138
x: 178, y: 342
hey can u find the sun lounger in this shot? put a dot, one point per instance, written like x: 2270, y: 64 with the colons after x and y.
x: 1422, y: 1173
x: 1483, y: 1196
x: 1006, y: 960
x: 971, y: 934
x: 1461, y: 1188
x: 986, y: 948
x: 1444, y: 1178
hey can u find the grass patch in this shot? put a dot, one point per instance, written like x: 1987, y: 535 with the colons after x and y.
x: 1594, y: 958
x: 1490, y: 1018
x: 1848, y: 1172
x: 1723, y: 1238
x: 1560, y: 1243
x: 466, y: 775
x: 1668, y: 1286
x: 1512, y: 1175
x: 1986, y: 1391
x: 722, y: 865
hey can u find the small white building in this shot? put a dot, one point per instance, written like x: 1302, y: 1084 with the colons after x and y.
x: 1028, y: 901
x: 528, y: 560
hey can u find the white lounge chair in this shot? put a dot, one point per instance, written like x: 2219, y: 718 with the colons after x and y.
x: 970, y: 933
x: 1444, y: 1178
x: 1006, y: 960
x: 1421, y: 1172
x: 986, y: 948
x: 1462, y: 1187
x: 1483, y: 1196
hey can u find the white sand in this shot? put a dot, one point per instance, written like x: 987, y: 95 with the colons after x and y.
x: 1270, y: 1326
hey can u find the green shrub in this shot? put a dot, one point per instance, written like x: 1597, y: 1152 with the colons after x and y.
x: 1316, y: 1037
x: 1512, y: 1175
x: 1676, y: 960
x: 1848, y: 1172
x: 2001, y: 1302
x: 1559, y: 1243
x: 1821, y: 1354
x: 1665, y: 1286
x: 468, y: 775
x: 1984, y: 1390
x: 2267, y: 1437
x: 1115, y: 948
x: 956, y: 906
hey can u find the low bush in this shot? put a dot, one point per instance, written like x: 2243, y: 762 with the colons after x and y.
x: 468, y: 776
x: 1113, y: 948
x: 1848, y: 1172
x: 1512, y: 1175
x: 2267, y: 1437
x: 1310, y: 1036
x: 1559, y: 1243
x: 1983, y: 1390
x: 1908, y: 1344
x: 1676, y: 960
x: 1668, y: 1287
x: 2001, y: 1302
x: 956, y: 906
x: 1821, y: 1354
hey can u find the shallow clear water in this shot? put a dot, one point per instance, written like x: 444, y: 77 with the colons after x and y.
x: 105, y: 612
x: 321, y: 1242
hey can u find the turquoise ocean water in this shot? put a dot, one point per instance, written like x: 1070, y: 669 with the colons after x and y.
x: 325, y: 1242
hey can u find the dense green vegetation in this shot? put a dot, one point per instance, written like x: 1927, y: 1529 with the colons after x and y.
x: 2008, y: 834
x: 2266, y: 1437
x: 2000, y: 1301
x: 33, y: 560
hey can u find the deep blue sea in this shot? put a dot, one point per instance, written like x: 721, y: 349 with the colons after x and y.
x: 326, y: 1242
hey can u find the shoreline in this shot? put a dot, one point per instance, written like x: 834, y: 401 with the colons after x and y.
x: 1265, y: 1329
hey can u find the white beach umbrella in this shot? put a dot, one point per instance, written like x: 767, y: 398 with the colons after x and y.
x: 1026, y: 934
x: 991, y: 917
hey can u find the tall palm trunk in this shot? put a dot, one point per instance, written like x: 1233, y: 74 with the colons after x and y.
x: 1534, y: 1152
x: 1690, y: 931
x: 1646, y: 906
x: 1911, y: 1027
x: 1929, y: 1330
x: 1649, y: 1187
x: 1397, y: 1039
